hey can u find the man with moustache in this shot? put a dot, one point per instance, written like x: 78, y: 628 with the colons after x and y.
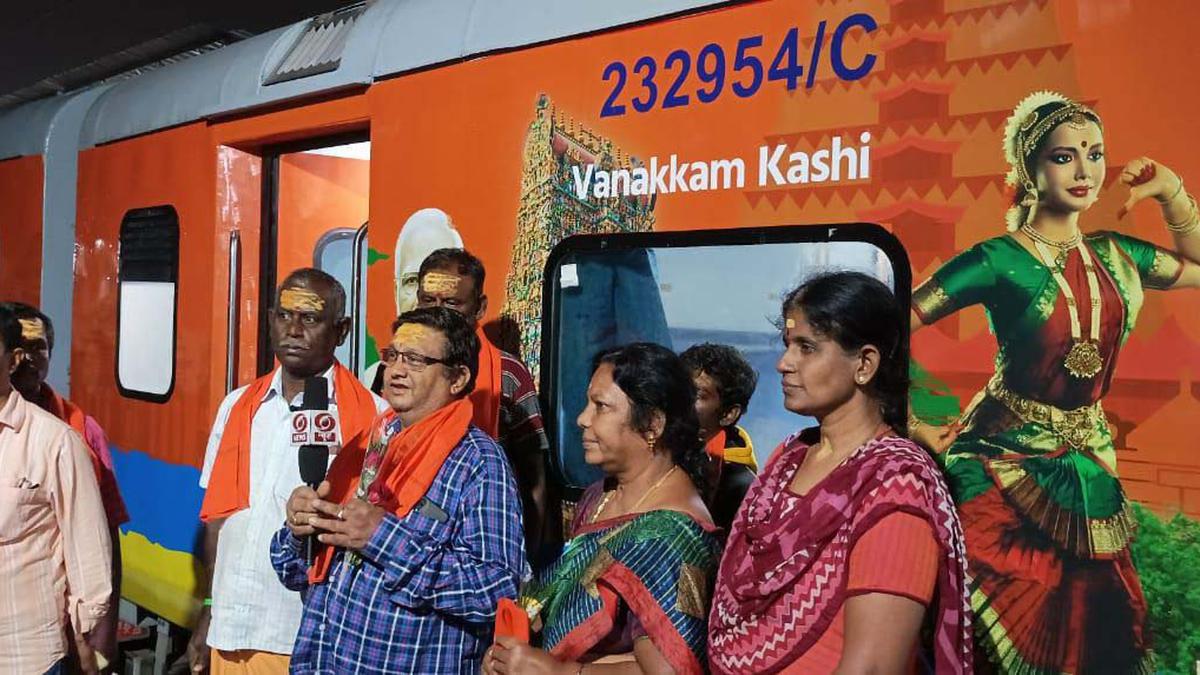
x: 55, y: 558
x: 250, y: 468
x: 37, y: 341
x: 420, y: 529
x: 505, y: 399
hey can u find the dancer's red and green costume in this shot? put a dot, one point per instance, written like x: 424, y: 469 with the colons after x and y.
x: 1047, y: 523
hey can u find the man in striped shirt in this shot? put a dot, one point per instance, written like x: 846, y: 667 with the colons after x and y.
x: 29, y: 379
x: 506, y: 401
x: 419, y: 528
x: 55, y: 554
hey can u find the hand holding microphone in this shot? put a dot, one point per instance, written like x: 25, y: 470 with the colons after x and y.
x: 301, y: 509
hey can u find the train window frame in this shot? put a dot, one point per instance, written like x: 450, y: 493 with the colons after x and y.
x: 358, y: 319
x: 563, y: 253
x: 167, y: 272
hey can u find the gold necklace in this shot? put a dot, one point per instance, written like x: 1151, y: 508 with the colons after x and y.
x: 1083, y: 361
x: 608, y: 495
x: 1064, y: 247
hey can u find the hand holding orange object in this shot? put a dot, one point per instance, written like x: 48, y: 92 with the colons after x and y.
x: 511, y: 621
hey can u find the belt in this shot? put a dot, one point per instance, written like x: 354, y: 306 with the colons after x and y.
x: 1075, y: 426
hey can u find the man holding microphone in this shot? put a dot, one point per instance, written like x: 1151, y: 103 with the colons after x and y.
x: 249, y: 622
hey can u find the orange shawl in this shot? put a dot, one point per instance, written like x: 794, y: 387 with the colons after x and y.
x: 229, y: 485
x: 75, y: 418
x: 488, y: 389
x: 715, y: 447
x: 413, y: 458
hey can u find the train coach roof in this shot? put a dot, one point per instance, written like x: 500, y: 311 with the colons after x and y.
x: 388, y: 37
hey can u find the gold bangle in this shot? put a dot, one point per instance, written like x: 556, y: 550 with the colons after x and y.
x: 1170, y: 199
x: 1188, y: 229
x: 1190, y: 223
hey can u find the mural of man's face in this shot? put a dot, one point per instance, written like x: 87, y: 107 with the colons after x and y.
x: 423, y: 233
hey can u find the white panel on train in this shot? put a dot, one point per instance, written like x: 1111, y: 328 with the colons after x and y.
x: 146, y: 348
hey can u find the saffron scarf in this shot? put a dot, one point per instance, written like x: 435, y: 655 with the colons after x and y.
x: 64, y: 409
x: 407, y: 468
x: 488, y: 388
x: 783, y: 573
x: 229, y: 485
x: 75, y: 418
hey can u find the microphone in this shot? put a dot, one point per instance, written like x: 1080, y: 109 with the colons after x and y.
x: 314, y: 429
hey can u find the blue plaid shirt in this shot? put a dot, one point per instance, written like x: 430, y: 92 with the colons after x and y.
x: 423, y: 597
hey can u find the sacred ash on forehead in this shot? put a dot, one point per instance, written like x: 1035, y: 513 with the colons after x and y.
x: 408, y: 333
x: 301, y: 300
x: 33, y: 329
x: 440, y: 282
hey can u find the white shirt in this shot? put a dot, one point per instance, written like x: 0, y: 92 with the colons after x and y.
x: 251, y: 608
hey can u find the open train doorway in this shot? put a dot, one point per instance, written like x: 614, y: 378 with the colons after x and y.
x: 315, y: 205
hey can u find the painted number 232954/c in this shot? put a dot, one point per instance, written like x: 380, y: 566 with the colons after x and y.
x: 745, y: 73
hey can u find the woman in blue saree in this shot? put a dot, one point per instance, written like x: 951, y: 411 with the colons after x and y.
x: 630, y: 592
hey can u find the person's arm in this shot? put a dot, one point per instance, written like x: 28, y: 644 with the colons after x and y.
x: 890, y: 580
x: 287, y: 546
x: 509, y: 656
x: 526, y: 444
x: 1160, y: 268
x: 197, y: 648
x: 287, y: 557
x: 881, y: 632
x: 87, y: 551
x: 1148, y: 178
x: 466, y: 575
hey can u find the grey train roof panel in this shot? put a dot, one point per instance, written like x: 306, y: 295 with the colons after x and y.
x: 391, y: 36
x: 25, y: 128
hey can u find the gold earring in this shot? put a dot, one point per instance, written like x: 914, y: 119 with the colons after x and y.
x: 651, y: 442
x: 1030, y: 198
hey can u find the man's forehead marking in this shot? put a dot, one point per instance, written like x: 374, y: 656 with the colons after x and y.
x: 440, y: 282
x: 300, y: 300
x: 33, y: 329
x: 408, y: 333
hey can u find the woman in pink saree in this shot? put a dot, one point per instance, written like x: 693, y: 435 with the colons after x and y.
x: 848, y: 544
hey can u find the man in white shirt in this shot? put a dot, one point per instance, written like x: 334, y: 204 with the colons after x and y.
x: 250, y: 470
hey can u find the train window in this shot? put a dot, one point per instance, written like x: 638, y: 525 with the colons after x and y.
x: 334, y: 253
x: 683, y: 288
x: 148, y: 275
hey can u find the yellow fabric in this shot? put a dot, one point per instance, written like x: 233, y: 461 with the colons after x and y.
x: 743, y: 455
x: 248, y: 662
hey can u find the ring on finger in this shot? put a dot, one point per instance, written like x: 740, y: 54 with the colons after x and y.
x: 340, y: 512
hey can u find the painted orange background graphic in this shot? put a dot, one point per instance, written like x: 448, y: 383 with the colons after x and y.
x: 947, y: 76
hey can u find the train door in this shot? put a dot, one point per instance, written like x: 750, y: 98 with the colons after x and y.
x: 315, y: 198
x: 679, y: 289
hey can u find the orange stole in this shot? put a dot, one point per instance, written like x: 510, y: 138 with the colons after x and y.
x: 229, y: 485
x: 64, y: 409
x: 488, y: 388
x: 715, y: 447
x: 410, y: 464
x: 75, y: 418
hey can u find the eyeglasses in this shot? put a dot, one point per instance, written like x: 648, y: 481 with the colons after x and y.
x: 415, y: 362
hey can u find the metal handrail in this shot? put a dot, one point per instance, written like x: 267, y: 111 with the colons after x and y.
x: 356, y: 282
x: 235, y: 256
